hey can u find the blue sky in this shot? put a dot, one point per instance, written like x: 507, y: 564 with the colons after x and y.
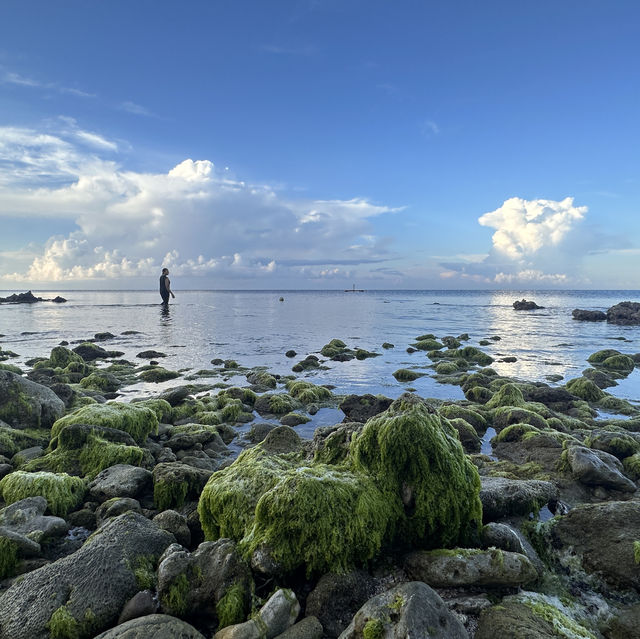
x: 316, y: 144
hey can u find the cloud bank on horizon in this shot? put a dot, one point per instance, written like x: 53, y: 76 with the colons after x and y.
x: 207, y: 225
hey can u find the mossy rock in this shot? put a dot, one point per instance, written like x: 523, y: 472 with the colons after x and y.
x: 508, y: 395
x: 174, y: 483
x: 585, y: 389
x: 8, y: 557
x: 416, y: 457
x: 62, y: 492
x: 11, y: 368
x: 81, y: 449
x: 632, y: 466
x: 308, y: 393
x: 13, y: 440
x: 453, y: 411
x: 622, y: 364
x: 274, y: 404
x: 478, y: 394
x: 617, y: 405
x: 161, y: 407
x: 516, y: 432
x: 294, y: 419
x: 428, y: 345
x: 406, y: 375
x: 101, y: 381
x: 262, y: 379
x: 474, y: 355
x: 333, y: 348
x: 508, y: 415
x: 600, y: 356
x: 157, y: 374
x: 447, y: 368
x: 139, y: 421
x: 245, y: 395
x: 619, y: 444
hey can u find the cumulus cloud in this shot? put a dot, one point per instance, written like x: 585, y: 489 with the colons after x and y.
x: 535, y: 243
x: 194, y: 219
x: 524, y: 227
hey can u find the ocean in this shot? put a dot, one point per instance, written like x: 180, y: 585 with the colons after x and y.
x: 257, y: 328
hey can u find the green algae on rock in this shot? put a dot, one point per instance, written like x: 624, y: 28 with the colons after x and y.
x: 62, y: 492
x: 8, y: 556
x: 137, y: 420
x: 157, y: 374
x: 406, y: 375
x: 416, y: 458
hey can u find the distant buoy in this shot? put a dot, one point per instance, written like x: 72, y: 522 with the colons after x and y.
x: 282, y: 299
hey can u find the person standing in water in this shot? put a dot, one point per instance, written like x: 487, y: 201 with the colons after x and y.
x: 165, y: 286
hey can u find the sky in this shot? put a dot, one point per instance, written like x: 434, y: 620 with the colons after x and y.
x: 320, y: 144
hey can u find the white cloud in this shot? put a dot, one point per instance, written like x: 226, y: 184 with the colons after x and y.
x: 429, y: 128
x: 136, y: 109
x: 193, y: 218
x: 524, y: 227
x: 11, y: 77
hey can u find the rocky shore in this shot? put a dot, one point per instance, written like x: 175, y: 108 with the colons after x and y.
x: 511, y: 513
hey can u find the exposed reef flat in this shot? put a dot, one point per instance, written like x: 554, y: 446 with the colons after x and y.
x: 200, y: 511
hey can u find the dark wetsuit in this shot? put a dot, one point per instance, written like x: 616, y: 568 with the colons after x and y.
x: 164, y: 293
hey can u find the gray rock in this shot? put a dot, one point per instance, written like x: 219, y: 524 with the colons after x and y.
x: 502, y: 497
x: 528, y: 615
x: 87, y: 589
x: 308, y: 628
x: 597, y: 468
x: 470, y: 567
x: 25, y: 404
x: 26, y: 517
x: 116, y: 507
x: 26, y: 547
x: 282, y: 439
x: 588, y: 316
x: 121, y: 480
x: 602, y: 537
x: 625, y: 623
x: 259, y: 431
x: 5, y: 469
x: 359, y: 408
x: 408, y: 611
x: 143, y: 603
x: 176, y: 524
x: 26, y: 455
x: 275, y: 617
x: 501, y: 536
x: 625, y: 313
x: 210, y: 571
x: 153, y: 627
x: 337, y: 597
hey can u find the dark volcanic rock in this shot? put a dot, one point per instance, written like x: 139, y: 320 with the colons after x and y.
x: 626, y: 313
x: 524, y: 305
x: 359, y: 408
x: 588, y: 316
x: 28, y: 298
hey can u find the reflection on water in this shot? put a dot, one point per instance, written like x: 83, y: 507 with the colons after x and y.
x: 255, y: 328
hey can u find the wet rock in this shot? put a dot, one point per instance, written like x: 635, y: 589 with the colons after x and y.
x: 625, y: 623
x: 153, y: 627
x: 624, y: 313
x: 410, y: 610
x: 359, y: 408
x: 282, y: 439
x: 26, y: 517
x: 90, y: 352
x: 524, y: 305
x: 588, y: 316
x: 331, y: 443
x: 73, y: 592
x: 25, y: 404
x: 121, y: 480
x: 174, y: 483
x: 175, y: 395
x: 150, y: 354
x: 470, y: 567
x: 337, y: 597
x: 502, y: 497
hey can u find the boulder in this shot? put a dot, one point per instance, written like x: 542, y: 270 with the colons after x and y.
x: 598, y: 468
x: 277, y: 615
x: 528, y: 615
x: 602, y: 537
x: 412, y: 609
x: 470, y: 567
x: 212, y: 581
x: 359, y: 408
x: 307, y: 628
x: 153, y: 627
x: 26, y: 517
x: 502, y: 497
x: 625, y: 313
x: 176, y: 524
x: 115, y: 507
x: 174, y: 483
x: 121, y: 480
x: 72, y: 594
x: 588, y: 316
x: 524, y: 305
x: 141, y: 604
x: 25, y: 404
x: 337, y: 597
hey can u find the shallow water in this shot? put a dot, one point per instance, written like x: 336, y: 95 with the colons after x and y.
x: 255, y: 328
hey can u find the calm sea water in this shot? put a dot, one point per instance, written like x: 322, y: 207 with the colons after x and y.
x: 255, y: 328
